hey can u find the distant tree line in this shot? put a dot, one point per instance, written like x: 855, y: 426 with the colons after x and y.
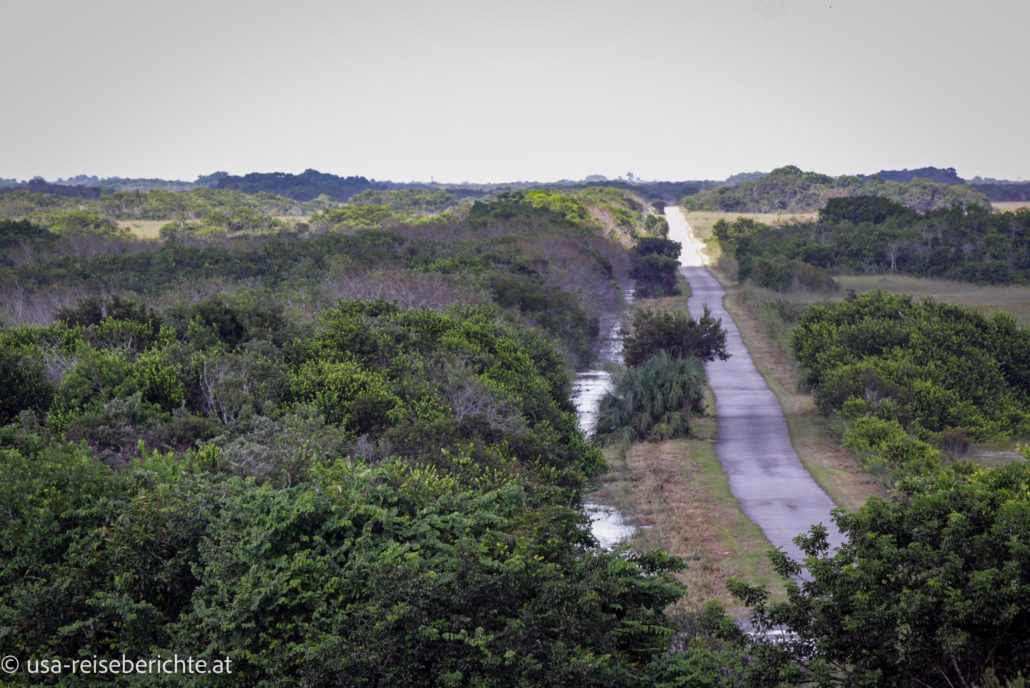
x: 788, y: 189
x: 874, y: 234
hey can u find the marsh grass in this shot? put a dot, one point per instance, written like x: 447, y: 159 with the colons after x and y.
x: 1013, y: 299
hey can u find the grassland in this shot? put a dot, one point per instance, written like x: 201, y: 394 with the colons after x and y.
x: 1011, y: 299
x: 149, y: 229
x: 702, y: 222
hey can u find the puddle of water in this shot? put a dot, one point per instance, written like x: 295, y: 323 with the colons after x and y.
x: 607, y: 525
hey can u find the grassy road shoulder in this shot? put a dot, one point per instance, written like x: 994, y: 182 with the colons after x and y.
x: 678, y: 497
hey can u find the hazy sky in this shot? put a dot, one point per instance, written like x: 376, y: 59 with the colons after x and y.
x: 487, y: 91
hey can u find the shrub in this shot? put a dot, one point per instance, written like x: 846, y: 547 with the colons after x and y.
x: 676, y: 333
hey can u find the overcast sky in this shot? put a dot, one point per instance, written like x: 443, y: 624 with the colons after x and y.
x: 542, y: 90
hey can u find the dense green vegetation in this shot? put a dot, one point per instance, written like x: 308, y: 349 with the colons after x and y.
x: 653, y: 401
x: 327, y: 491
x: 306, y: 186
x: 509, y: 252
x: 158, y: 204
x: 930, y: 588
x: 676, y: 333
x: 386, y: 495
x: 409, y: 201
x: 896, y: 368
x: 1005, y: 191
x: 788, y: 189
x: 655, y: 266
x: 871, y: 234
x: 343, y: 452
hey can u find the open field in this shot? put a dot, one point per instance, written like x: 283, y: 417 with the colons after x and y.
x: 144, y: 229
x: 1012, y: 299
x: 1009, y: 206
x: 149, y: 229
x: 703, y: 221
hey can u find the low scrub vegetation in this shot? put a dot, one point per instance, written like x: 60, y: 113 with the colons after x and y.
x: 875, y: 235
x: 655, y: 266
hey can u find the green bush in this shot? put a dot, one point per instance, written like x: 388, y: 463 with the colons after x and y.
x: 930, y: 366
x: 676, y: 333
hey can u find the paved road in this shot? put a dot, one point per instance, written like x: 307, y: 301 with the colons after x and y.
x: 773, y: 488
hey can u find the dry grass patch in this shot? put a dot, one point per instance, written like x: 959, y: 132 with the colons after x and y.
x: 143, y: 229
x: 1009, y: 206
x: 704, y: 220
x: 676, y: 495
x: 1013, y: 299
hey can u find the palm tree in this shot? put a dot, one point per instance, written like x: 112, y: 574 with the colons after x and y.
x: 653, y: 401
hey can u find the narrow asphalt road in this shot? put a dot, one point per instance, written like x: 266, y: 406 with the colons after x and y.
x: 773, y: 488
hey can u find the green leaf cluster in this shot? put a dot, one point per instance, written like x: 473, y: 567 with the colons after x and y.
x: 676, y: 333
x: 654, y: 267
x: 362, y: 575
x: 654, y: 401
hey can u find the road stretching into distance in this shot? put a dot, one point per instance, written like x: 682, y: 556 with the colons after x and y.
x: 753, y: 445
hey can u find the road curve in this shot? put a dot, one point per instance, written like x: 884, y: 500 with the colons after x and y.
x: 766, y: 477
